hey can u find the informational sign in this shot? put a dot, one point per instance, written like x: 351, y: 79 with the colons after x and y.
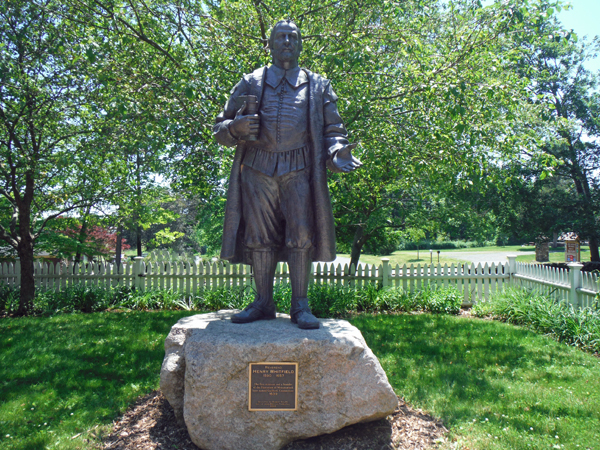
x: 572, y: 251
x: 273, y: 386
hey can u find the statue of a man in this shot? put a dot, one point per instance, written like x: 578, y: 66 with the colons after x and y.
x: 285, y: 123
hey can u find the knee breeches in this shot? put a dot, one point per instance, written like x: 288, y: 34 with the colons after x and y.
x: 277, y: 210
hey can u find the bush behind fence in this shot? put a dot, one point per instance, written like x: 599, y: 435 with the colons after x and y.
x: 192, y: 277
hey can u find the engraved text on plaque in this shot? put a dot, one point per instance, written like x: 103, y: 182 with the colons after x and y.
x: 273, y: 386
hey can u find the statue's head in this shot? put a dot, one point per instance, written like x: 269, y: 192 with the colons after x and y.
x: 285, y: 44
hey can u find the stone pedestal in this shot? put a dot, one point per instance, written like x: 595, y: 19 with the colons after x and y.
x: 205, y: 378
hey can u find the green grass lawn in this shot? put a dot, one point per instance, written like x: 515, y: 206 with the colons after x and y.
x: 495, y: 386
x: 423, y: 257
x: 407, y: 257
x: 64, y: 379
x: 410, y: 256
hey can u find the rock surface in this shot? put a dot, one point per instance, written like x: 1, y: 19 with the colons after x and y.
x: 205, y: 379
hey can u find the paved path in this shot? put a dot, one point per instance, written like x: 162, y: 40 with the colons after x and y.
x: 341, y: 260
x: 483, y: 257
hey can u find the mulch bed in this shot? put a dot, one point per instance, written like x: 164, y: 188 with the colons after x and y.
x: 150, y: 424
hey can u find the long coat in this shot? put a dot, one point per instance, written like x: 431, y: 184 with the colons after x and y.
x: 327, y: 136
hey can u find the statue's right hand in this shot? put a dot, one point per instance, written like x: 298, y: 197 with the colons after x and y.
x: 244, y: 125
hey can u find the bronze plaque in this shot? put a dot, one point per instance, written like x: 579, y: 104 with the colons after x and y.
x: 273, y: 386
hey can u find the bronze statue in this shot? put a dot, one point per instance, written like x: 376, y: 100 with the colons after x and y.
x: 285, y: 123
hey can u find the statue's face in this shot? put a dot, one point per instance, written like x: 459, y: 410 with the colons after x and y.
x: 286, y: 43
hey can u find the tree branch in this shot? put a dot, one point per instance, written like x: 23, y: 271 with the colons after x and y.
x: 14, y: 243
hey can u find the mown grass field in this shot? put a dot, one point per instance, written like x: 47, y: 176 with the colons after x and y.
x: 64, y: 379
x: 407, y: 257
x: 495, y: 386
x: 450, y: 256
x: 453, y: 256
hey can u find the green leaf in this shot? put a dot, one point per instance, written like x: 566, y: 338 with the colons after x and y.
x: 90, y: 55
x: 189, y: 93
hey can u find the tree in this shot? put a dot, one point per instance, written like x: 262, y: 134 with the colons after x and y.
x: 569, y: 128
x: 90, y: 100
x: 434, y: 112
x: 68, y: 237
x: 51, y: 140
x: 428, y: 87
x: 151, y: 57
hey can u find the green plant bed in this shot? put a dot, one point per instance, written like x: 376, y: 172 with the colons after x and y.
x: 64, y: 379
x: 579, y: 327
x: 495, y: 386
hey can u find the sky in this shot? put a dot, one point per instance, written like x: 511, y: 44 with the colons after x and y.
x: 584, y: 19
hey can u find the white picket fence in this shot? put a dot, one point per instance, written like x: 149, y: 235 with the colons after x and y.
x: 189, y: 275
x: 576, y: 287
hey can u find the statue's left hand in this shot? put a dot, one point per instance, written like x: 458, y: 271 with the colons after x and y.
x: 345, y: 160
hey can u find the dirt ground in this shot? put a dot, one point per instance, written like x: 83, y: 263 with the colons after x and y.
x: 150, y: 424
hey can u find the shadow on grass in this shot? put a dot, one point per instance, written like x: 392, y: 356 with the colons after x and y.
x: 66, y: 373
x: 464, y: 370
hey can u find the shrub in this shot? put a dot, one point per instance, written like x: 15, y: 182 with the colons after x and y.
x: 224, y: 298
x: 326, y: 300
x: 440, y: 300
x: 282, y: 296
x: 9, y: 299
x: 77, y: 298
x: 331, y: 300
x: 579, y: 327
x: 368, y: 298
x: 148, y: 300
x: 397, y: 300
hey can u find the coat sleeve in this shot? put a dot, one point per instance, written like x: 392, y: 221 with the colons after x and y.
x: 221, y: 127
x: 335, y: 136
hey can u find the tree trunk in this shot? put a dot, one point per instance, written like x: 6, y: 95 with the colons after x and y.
x: 27, y: 291
x: 81, y: 239
x: 594, y: 256
x: 119, y: 246
x: 25, y: 248
x: 138, y: 240
x: 357, y: 245
x: 27, y: 288
x: 554, y: 239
